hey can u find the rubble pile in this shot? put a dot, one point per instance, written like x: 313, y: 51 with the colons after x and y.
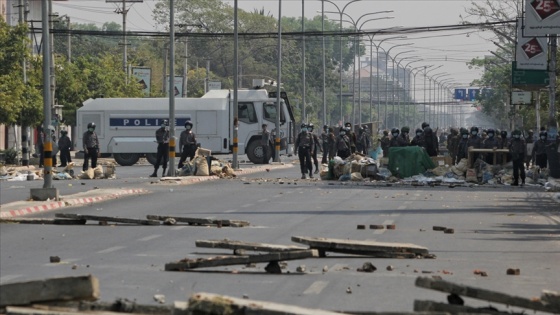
x: 104, y: 170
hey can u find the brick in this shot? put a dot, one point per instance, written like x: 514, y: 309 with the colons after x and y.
x: 376, y: 227
x: 391, y: 226
x: 439, y: 228
x: 513, y: 271
x: 361, y: 227
x: 449, y: 231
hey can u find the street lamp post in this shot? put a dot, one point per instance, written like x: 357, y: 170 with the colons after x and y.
x: 425, y: 75
x: 386, y: 75
x: 393, y: 81
x: 434, y: 78
x: 341, y: 12
x: 414, y: 91
x: 404, y: 86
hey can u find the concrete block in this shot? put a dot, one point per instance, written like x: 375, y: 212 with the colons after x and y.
x: 43, y: 194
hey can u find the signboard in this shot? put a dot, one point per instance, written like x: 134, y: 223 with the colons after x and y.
x: 177, y: 86
x: 542, y: 17
x: 473, y: 94
x: 528, y: 79
x: 144, y: 76
x: 521, y: 98
x: 530, y: 52
x: 460, y: 94
x: 214, y: 85
x: 144, y: 122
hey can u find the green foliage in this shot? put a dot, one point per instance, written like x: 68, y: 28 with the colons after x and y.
x: 10, y: 156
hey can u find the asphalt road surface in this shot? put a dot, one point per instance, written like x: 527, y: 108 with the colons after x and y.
x: 495, y: 229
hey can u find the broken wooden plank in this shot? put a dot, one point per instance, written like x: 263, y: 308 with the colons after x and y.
x: 54, y: 221
x: 260, y: 247
x: 200, y: 221
x: 186, y: 264
x: 211, y: 304
x: 358, y: 247
x: 53, y: 289
x: 119, y: 305
x: 18, y: 310
x: 551, y: 297
x: 106, y: 219
x: 430, y: 306
x: 483, y: 294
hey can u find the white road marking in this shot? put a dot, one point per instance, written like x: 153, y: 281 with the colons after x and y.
x: 176, y: 228
x: 263, y: 200
x: 316, y: 287
x: 110, y: 249
x: 402, y: 207
x: 247, y: 205
x: 9, y: 278
x: 276, y: 196
x: 150, y: 237
x: 385, y: 223
x: 230, y: 210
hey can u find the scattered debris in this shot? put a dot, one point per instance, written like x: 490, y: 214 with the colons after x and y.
x: 349, y: 290
x: 391, y: 226
x: 106, y: 219
x: 480, y: 273
x: 300, y: 268
x: 160, y: 298
x: 390, y: 268
x: 376, y: 227
x: 449, y: 231
x: 54, y: 259
x: 187, y: 264
x: 200, y: 221
x: 513, y: 271
x: 439, y: 228
x: 365, y: 248
x: 367, y: 267
x: 238, y: 245
x: 55, y: 221
x: 481, y: 294
x: 361, y: 227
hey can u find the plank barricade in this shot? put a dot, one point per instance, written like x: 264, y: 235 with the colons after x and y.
x: 53, y: 289
x: 102, y: 219
x: 211, y: 304
x: 200, y: 221
x: 365, y: 248
x: 55, y: 221
x: 236, y: 245
x: 543, y: 305
x: 271, y: 258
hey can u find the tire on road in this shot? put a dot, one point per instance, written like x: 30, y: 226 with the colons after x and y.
x: 255, y: 152
x: 126, y: 159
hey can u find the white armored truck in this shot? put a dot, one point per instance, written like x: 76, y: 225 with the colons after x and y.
x: 126, y: 126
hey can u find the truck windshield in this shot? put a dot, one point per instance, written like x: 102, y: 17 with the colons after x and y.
x: 269, y: 112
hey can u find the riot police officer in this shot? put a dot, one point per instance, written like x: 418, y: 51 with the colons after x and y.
x: 517, y: 149
x: 162, y: 139
x: 304, y: 149
x: 91, y: 147
x: 187, y: 141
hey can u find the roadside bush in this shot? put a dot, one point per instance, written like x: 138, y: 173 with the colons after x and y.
x: 9, y: 156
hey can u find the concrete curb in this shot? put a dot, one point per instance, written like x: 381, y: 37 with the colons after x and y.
x: 67, y: 201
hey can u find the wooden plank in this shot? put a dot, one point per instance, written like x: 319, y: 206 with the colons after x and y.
x: 359, y: 247
x: 18, y: 310
x: 211, y: 304
x: 430, y: 306
x: 261, y: 247
x: 200, y: 221
x: 551, y: 297
x: 53, y: 289
x: 106, y: 219
x: 186, y: 264
x: 483, y: 294
x: 43, y: 221
x: 119, y: 306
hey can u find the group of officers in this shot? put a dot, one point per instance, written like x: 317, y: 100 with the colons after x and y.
x: 347, y: 142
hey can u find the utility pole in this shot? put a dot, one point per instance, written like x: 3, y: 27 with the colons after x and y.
x: 552, y: 150
x: 69, y: 43
x: 186, y: 68
x: 124, y: 11
x: 22, y: 11
x: 304, y: 114
x: 171, y: 171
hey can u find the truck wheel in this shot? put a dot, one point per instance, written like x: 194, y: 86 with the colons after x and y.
x: 152, y: 158
x: 255, y: 152
x: 126, y: 159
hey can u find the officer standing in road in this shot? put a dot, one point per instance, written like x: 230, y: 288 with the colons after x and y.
x: 325, y: 144
x: 187, y: 141
x: 397, y: 141
x: 385, y: 143
x: 517, y: 149
x: 91, y: 147
x: 332, y: 144
x: 463, y: 147
x: 474, y: 141
x: 162, y: 139
x: 304, y: 150
x: 431, y: 143
x: 352, y: 136
x: 265, y: 143
x: 316, y: 147
x: 418, y: 139
x: 538, y: 154
x: 453, y: 144
x: 490, y: 143
x: 343, y: 144
x: 64, y: 145
x: 405, y: 134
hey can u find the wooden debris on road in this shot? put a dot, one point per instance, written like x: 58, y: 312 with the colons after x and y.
x: 187, y: 264
x: 430, y: 306
x: 53, y: 289
x: 118, y: 306
x: 235, y: 245
x: 211, y: 304
x: 201, y: 221
x: 365, y: 248
x: 55, y: 221
x: 486, y: 295
x: 106, y: 219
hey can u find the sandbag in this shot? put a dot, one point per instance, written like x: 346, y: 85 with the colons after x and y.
x: 440, y: 170
x: 98, y: 172
x: 356, y: 177
x: 355, y: 167
x: 462, y: 165
x: 202, y: 167
x: 471, y: 175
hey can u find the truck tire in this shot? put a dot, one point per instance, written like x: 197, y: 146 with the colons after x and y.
x: 151, y: 158
x: 126, y: 159
x: 255, y: 152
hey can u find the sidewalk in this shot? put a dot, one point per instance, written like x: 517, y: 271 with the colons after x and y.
x: 27, y: 207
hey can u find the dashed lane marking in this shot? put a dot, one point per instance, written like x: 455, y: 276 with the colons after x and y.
x: 110, y: 249
x: 150, y: 237
x: 247, y: 205
x: 316, y: 287
x: 262, y: 200
x: 230, y: 210
x: 385, y: 223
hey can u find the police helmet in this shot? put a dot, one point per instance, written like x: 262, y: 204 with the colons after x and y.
x: 310, y: 126
x: 303, y: 125
x: 464, y: 131
x: 395, y: 130
x: 490, y: 131
x: 418, y: 130
x: 543, y: 133
x: 405, y: 129
x: 385, y: 132
x: 425, y: 124
x: 516, y: 132
x: 91, y: 125
x: 365, y: 127
x: 165, y: 122
x: 474, y: 128
x: 348, y: 124
x: 325, y: 127
x: 188, y: 123
x: 64, y: 132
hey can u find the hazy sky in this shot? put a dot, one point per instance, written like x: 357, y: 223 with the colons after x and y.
x: 450, y: 49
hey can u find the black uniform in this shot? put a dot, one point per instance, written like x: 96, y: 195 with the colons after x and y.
x: 304, y: 147
x: 91, y: 149
x: 517, y: 148
x: 65, y: 145
x: 162, y: 139
x: 343, y: 145
x: 187, y: 141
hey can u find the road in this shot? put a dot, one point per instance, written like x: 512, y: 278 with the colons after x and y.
x: 495, y: 229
